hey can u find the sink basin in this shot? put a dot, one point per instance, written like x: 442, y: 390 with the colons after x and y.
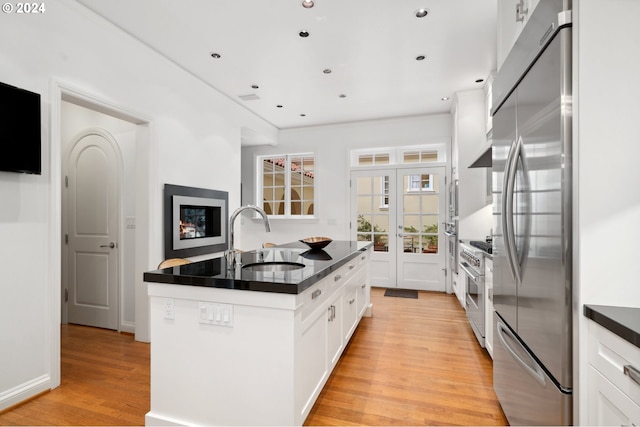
x: 273, y: 266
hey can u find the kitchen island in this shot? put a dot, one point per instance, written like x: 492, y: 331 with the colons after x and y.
x: 251, y: 347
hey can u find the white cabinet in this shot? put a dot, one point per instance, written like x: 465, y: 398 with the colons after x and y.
x: 342, y: 299
x: 613, y: 396
x: 488, y: 305
x: 512, y: 17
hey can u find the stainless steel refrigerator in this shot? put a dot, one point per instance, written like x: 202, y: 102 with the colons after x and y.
x: 531, y: 155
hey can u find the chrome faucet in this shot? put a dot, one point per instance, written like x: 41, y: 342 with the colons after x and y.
x: 231, y: 252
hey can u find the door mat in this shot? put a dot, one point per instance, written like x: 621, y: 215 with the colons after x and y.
x: 401, y: 293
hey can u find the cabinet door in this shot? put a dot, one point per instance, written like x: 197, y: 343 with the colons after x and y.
x: 361, y: 293
x: 350, y: 310
x: 334, y: 329
x: 608, y: 406
x: 311, y: 362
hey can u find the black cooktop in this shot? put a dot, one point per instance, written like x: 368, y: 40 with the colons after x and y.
x: 482, y: 245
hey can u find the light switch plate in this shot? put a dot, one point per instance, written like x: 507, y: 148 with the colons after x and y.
x: 211, y: 313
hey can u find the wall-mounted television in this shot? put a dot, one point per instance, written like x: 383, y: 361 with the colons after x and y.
x: 20, y: 134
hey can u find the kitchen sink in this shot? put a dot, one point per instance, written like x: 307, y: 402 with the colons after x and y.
x: 273, y: 266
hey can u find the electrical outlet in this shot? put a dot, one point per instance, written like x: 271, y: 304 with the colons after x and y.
x: 169, y: 308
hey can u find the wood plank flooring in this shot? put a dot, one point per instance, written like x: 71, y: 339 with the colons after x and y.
x: 415, y: 362
x: 105, y: 381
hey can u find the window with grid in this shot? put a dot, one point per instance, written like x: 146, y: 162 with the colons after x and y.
x: 287, y: 187
x: 420, y: 183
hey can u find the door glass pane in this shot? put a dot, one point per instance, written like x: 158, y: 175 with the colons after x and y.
x: 411, y: 203
x: 373, y: 211
x: 381, y: 223
x: 363, y: 185
x: 429, y: 203
x: 411, y: 223
x: 365, y: 204
x: 381, y: 242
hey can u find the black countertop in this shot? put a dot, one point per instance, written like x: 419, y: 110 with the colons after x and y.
x: 213, y: 273
x: 622, y: 321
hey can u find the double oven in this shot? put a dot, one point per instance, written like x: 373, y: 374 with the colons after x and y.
x: 472, y: 264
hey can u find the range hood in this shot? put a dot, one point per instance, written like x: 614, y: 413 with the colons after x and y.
x: 483, y: 159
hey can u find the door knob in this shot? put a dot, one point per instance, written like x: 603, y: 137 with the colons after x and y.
x: 110, y: 245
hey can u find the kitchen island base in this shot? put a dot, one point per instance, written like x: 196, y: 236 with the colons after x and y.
x: 231, y: 357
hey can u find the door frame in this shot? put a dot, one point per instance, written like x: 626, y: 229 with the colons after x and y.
x: 147, y: 199
x: 65, y: 226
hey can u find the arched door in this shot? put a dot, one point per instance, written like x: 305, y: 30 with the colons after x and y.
x: 93, y: 223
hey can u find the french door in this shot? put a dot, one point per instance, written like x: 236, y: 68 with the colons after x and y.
x: 400, y: 211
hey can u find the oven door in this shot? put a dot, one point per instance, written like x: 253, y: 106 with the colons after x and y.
x: 474, y: 295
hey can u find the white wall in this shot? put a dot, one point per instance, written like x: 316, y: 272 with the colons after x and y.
x: 331, y: 144
x: 195, y: 140
x: 606, y: 168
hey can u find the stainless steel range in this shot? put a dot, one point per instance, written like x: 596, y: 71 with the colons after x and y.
x: 472, y: 264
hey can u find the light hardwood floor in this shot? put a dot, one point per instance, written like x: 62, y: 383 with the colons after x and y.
x: 415, y: 362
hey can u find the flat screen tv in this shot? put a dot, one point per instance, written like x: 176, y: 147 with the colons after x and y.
x: 20, y: 139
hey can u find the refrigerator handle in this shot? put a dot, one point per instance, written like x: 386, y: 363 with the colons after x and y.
x: 532, y: 367
x: 507, y: 208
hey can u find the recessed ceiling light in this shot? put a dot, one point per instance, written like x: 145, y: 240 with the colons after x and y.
x: 479, y: 80
x: 255, y: 86
x: 303, y: 115
x: 279, y: 106
x: 303, y: 34
x: 421, y: 13
x: 445, y: 98
x: 420, y: 58
x: 215, y: 55
x: 342, y: 95
x: 307, y: 4
x: 327, y: 71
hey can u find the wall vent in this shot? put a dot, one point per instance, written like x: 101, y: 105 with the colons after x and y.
x: 250, y: 97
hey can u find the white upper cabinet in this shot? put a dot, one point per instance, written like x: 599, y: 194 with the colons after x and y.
x: 512, y: 17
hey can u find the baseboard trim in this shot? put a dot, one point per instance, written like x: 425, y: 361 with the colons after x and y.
x: 152, y: 419
x: 16, y: 395
x: 128, y: 327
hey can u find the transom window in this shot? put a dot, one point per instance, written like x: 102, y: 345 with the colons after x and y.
x: 419, y: 154
x: 287, y: 187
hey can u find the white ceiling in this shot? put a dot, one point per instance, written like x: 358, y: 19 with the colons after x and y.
x: 370, y: 46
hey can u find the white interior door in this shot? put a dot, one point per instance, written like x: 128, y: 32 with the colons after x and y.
x: 93, y: 216
x: 400, y: 211
x: 420, y: 204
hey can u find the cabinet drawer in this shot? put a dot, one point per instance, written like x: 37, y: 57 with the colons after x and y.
x: 314, y: 297
x: 608, y: 405
x: 353, y: 266
x: 609, y: 354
